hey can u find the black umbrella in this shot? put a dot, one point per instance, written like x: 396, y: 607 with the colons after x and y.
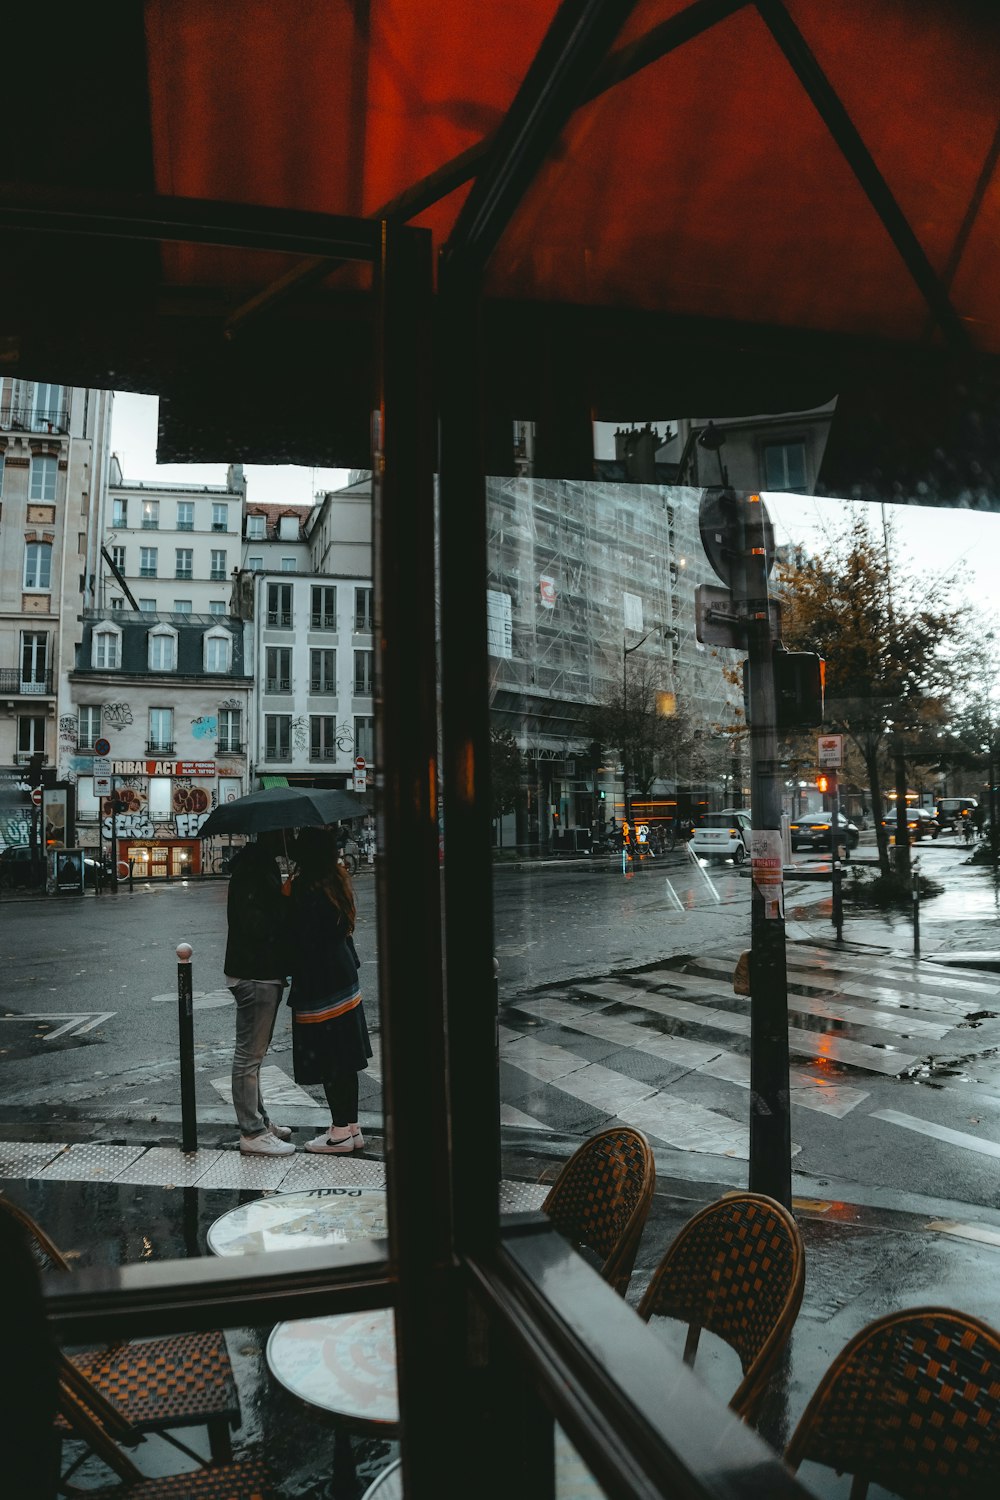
x: 284, y: 807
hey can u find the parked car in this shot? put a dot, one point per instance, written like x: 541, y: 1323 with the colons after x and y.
x: 15, y: 867
x: 723, y: 835
x: 921, y: 823
x: 812, y: 831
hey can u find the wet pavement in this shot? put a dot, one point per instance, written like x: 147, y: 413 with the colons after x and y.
x: 884, y: 1226
x: 863, y: 1258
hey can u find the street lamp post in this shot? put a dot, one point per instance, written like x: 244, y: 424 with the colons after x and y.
x: 626, y: 653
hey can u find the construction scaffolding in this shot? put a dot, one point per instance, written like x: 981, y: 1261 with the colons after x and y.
x: 577, y: 571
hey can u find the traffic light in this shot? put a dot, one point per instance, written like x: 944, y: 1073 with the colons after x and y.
x: 799, y: 681
x: 602, y: 794
x: 823, y: 783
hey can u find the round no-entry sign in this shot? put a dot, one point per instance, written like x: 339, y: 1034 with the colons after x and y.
x: 359, y: 763
x: 36, y: 796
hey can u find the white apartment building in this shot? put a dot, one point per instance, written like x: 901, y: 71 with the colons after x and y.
x: 174, y: 547
x: 54, y: 453
x: 314, y: 664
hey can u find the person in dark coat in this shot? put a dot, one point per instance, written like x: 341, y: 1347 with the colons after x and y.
x: 330, y: 1042
x: 256, y: 973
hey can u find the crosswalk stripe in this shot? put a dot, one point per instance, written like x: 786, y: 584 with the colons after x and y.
x: 907, y: 973
x: 811, y: 1091
x: 802, y: 1043
x: 677, y: 1122
x: 681, y: 1123
x: 511, y: 1116
x: 938, y: 1132
x: 858, y: 1015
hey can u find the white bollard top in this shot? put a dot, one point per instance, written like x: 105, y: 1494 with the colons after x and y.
x: 184, y: 952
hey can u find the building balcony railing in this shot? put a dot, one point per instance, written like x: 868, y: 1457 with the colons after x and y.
x: 25, y: 757
x: 160, y: 747
x: 229, y: 747
x: 272, y: 752
x: 281, y: 619
x: 27, y: 419
x: 319, y: 752
x: 12, y: 681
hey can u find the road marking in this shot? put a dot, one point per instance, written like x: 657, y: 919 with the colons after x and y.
x: 812, y: 1091
x: 811, y: 1044
x: 859, y: 1015
x: 977, y: 1232
x: 279, y: 1091
x: 938, y: 1132
x: 681, y: 1123
x: 75, y: 1023
x: 200, y: 1000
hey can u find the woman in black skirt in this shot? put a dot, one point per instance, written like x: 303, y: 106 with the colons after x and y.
x: 329, y: 1033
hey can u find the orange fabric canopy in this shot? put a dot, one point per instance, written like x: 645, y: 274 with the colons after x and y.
x: 706, y: 183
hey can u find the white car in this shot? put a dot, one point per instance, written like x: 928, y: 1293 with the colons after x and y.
x: 723, y: 835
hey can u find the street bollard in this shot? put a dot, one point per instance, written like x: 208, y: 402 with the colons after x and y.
x: 838, y: 896
x: 185, y: 1032
x: 916, y: 915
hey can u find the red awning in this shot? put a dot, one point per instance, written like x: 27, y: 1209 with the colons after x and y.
x: 741, y: 206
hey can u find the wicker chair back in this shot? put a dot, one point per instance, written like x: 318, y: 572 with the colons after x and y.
x: 912, y: 1404
x: 738, y: 1269
x: 601, y: 1198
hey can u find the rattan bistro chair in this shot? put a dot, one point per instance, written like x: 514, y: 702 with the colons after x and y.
x: 738, y: 1269
x: 160, y: 1384
x: 912, y: 1404
x: 83, y: 1411
x: 601, y: 1198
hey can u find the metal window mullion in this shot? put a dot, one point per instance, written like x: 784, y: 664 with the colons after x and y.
x: 428, y: 1338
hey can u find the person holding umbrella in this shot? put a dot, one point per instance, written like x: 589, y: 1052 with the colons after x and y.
x: 256, y: 965
x: 330, y: 1042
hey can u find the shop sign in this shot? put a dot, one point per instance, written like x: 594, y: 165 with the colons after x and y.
x: 142, y: 768
x: 195, y: 768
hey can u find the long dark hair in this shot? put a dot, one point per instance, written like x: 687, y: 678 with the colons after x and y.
x: 319, y: 870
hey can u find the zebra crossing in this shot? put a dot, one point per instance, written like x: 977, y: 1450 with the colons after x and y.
x: 643, y: 1046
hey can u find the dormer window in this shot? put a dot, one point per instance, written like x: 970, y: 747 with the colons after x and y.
x: 163, y: 649
x: 218, y: 644
x: 288, y: 529
x: 106, y: 648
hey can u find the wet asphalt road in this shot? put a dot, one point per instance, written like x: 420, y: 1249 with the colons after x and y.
x: 91, y: 956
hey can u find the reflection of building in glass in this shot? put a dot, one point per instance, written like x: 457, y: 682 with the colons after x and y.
x: 577, y: 571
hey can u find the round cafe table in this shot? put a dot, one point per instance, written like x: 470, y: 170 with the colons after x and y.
x: 289, y: 1221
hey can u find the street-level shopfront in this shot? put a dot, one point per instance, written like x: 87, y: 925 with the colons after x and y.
x: 161, y: 806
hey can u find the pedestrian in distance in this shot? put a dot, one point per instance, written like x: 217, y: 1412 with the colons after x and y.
x: 330, y: 1042
x: 256, y: 974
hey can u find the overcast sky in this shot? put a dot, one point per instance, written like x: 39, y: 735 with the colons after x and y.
x: 931, y: 540
x: 133, y: 438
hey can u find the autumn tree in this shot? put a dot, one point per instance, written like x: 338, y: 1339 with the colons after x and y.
x: 505, y: 771
x: 974, y: 741
x: 883, y: 636
x: 643, y: 721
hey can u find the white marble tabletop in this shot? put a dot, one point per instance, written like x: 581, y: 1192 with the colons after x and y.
x: 289, y: 1221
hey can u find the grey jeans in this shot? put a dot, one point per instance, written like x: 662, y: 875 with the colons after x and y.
x: 257, y: 1003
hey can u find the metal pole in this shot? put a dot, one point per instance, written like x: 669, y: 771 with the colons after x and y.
x: 625, y: 815
x: 114, y: 837
x: 770, y: 1125
x: 916, y: 915
x: 185, y: 1034
x: 837, y: 867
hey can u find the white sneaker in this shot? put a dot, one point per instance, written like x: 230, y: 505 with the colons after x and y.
x: 357, y: 1137
x: 265, y: 1144
x: 283, y: 1132
x: 333, y: 1145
